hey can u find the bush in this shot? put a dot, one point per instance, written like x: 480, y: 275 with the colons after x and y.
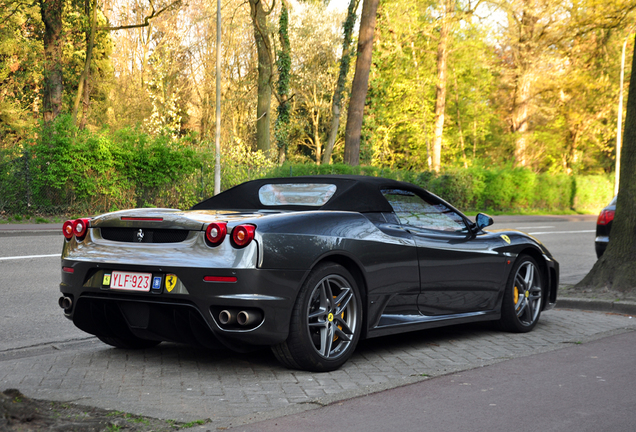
x: 510, y: 190
x: 67, y: 170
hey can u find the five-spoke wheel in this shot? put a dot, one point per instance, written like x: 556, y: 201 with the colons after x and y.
x: 326, y: 321
x: 523, y: 297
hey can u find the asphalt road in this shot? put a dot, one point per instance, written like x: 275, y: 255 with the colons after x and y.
x: 30, y: 274
x: 587, y: 387
x: 29, y: 290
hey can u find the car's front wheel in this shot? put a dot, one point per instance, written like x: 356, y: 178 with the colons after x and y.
x: 523, y: 296
x: 326, y: 321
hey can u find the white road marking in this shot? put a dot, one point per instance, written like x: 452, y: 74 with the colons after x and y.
x: 562, y: 232
x: 28, y: 256
x: 542, y: 227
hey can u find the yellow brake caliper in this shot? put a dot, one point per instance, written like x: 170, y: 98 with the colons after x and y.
x: 515, y: 295
x: 330, y: 318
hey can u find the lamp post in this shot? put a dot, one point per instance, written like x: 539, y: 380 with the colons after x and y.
x: 217, y: 140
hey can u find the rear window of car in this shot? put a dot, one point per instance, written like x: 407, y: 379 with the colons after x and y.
x: 304, y: 194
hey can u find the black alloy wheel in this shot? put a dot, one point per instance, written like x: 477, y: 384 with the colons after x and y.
x: 326, y: 321
x: 523, y: 296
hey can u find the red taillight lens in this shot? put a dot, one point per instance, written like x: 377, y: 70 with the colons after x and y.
x: 242, y: 235
x: 215, y: 233
x: 605, y: 217
x: 67, y: 229
x: 80, y: 227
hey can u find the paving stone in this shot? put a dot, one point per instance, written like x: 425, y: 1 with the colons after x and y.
x: 179, y: 382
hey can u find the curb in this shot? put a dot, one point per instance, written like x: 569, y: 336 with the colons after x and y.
x: 15, y: 230
x: 619, y: 307
x: 19, y: 233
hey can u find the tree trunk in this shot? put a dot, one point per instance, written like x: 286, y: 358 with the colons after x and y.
x: 82, y: 86
x: 519, y: 117
x: 283, y: 64
x: 360, y: 83
x: 336, y: 106
x: 265, y: 68
x: 440, y: 90
x: 615, y: 269
x: 459, y: 124
x: 523, y: 55
x: 51, y: 11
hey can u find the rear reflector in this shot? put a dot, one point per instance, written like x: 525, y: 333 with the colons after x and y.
x: 219, y: 279
x: 68, y: 270
x: 145, y: 219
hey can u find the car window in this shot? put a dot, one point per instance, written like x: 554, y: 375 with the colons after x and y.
x: 413, y: 210
x: 306, y: 194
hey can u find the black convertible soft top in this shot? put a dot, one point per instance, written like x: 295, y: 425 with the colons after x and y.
x: 354, y: 193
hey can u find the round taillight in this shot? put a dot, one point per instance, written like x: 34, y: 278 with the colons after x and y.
x: 80, y: 227
x: 67, y: 229
x: 215, y: 233
x: 242, y: 235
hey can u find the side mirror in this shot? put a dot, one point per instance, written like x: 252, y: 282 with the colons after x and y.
x: 482, y: 221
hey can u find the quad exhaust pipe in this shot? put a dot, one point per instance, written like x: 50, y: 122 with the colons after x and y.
x: 244, y: 318
x: 65, y: 302
x: 227, y: 317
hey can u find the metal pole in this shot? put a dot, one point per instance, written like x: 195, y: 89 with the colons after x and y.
x: 217, y: 141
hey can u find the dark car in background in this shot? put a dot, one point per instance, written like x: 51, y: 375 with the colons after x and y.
x: 603, y: 227
x: 305, y: 265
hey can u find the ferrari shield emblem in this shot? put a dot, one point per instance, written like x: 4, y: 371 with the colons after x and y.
x: 505, y: 238
x: 171, y: 282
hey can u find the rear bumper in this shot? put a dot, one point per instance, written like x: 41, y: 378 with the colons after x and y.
x: 189, y: 315
x: 600, y: 244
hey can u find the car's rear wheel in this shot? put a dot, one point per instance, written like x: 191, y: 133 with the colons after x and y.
x: 523, y: 297
x: 326, y: 321
x: 135, y: 343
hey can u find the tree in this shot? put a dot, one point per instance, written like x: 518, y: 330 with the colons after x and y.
x: 360, y: 83
x: 259, y: 13
x: 345, y: 59
x: 615, y: 269
x: 283, y: 63
x: 447, y: 21
x: 51, y: 12
x: 82, y: 88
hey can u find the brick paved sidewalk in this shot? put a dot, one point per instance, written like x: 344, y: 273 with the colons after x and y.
x: 181, y: 383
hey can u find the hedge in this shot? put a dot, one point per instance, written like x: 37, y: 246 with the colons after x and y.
x: 90, y: 172
x: 495, y: 190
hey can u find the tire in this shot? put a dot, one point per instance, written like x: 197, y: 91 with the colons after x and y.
x: 136, y: 343
x: 326, y: 321
x: 523, y: 296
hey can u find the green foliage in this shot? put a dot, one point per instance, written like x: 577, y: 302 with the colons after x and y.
x: 70, y: 170
x: 509, y: 190
x: 20, y: 72
x: 283, y: 63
